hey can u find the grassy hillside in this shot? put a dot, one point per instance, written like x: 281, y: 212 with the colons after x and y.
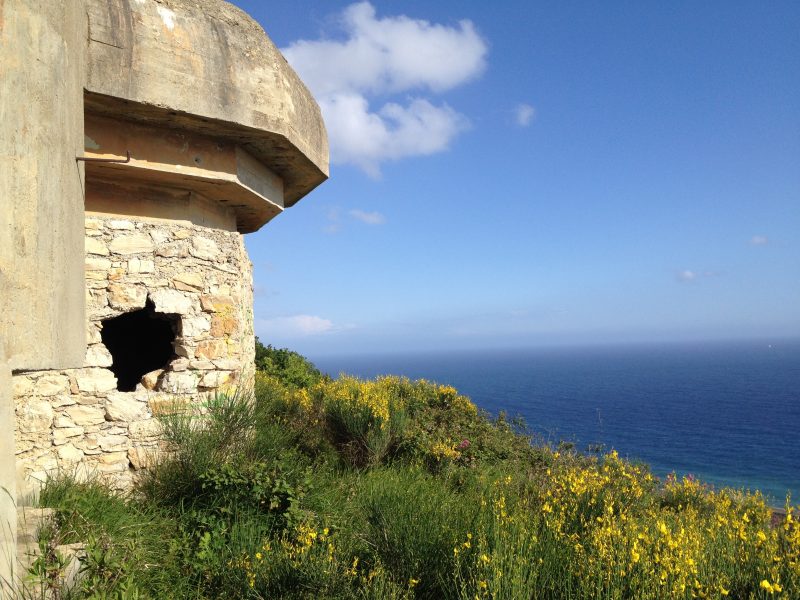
x: 390, y: 488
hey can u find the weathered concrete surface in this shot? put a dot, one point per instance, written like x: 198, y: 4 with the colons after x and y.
x: 168, y: 158
x: 42, y: 73
x: 208, y: 67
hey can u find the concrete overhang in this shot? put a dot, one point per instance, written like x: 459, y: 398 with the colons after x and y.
x: 217, y: 170
x: 207, y: 68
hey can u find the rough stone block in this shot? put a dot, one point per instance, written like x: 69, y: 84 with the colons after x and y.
x: 123, y: 407
x: 150, y: 380
x: 195, y: 326
x: 179, y: 364
x: 97, y: 355
x: 182, y: 350
x: 91, y: 224
x: 97, y: 282
x: 115, y: 273
x: 120, y: 224
x: 135, y: 243
x: 63, y: 420
x: 95, y: 381
x: 138, y: 265
x: 112, y: 462
x: 95, y: 246
x: 202, y: 365
x: 215, y: 379
x: 173, y: 250
x: 160, y: 236
x: 188, y: 281
x: 126, y: 297
x: 62, y: 400
x: 211, y: 349
x: 96, y: 300
x: 34, y: 416
x: 143, y: 458
x: 23, y: 386
x: 216, y: 303
x: 204, y: 249
x: 97, y: 264
x: 93, y: 335
x: 61, y: 436
x: 70, y: 454
x: 113, y: 443
x: 51, y: 385
x: 96, y: 278
x: 179, y: 383
x: 148, y: 428
x: 86, y: 415
x: 172, y: 302
x: 222, y: 325
x: 227, y: 364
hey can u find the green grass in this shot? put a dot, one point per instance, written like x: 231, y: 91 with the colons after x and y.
x: 314, y: 488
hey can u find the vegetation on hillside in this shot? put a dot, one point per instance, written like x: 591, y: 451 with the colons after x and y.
x: 321, y: 488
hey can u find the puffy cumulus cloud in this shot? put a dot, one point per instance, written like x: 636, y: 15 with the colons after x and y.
x: 370, y: 218
x: 384, y: 56
x: 393, y: 54
x: 294, y: 326
x: 759, y: 240
x: 364, y: 138
x: 524, y: 114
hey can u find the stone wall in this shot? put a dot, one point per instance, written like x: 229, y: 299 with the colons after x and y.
x: 76, y: 419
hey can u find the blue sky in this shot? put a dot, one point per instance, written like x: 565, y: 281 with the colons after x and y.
x: 518, y: 174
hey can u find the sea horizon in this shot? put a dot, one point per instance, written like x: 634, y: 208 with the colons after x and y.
x: 724, y: 411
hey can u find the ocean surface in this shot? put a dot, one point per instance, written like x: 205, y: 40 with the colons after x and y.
x: 728, y: 413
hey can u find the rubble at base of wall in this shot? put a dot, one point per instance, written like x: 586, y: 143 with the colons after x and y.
x: 76, y: 421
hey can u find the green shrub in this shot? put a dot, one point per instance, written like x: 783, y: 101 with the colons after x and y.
x: 412, y: 523
x: 287, y: 366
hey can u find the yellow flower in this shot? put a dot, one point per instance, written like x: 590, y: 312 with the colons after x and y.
x: 770, y: 588
x: 259, y: 556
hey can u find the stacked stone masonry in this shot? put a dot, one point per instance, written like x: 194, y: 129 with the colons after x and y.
x: 76, y: 420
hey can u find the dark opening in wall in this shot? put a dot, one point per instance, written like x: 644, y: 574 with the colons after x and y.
x: 139, y: 342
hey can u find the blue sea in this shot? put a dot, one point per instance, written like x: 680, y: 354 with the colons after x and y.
x: 728, y: 413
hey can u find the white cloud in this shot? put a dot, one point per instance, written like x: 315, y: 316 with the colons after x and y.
x: 759, y: 240
x: 687, y: 275
x: 370, y: 218
x: 334, y: 223
x: 523, y: 114
x: 384, y: 56
x: 294, y: 326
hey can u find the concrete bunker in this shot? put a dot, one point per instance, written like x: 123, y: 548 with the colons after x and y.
x: 177, y: 164
x: 189, y: 129
x: 140, y: 342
